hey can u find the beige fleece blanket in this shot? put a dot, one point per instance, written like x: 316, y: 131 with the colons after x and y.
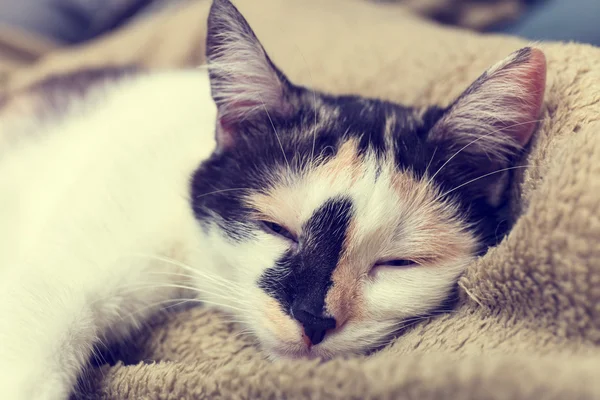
x: 528, y: 322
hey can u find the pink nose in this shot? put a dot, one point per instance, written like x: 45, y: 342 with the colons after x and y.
x: 314, y: 327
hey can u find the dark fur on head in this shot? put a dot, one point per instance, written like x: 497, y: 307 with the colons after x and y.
x: 450, y: 167
x: 305, y: 125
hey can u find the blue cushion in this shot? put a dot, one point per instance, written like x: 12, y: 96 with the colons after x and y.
x: 560, y: 20
x: 68, y: 21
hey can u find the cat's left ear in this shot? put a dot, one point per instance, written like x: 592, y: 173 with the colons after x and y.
x: 492, y: 121
x: 244, y: 81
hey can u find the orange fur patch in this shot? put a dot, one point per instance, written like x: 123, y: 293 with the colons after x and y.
x: 344, y: 300
x: 340, y: 301
x: 438, y: 238
x: 281, y: 204
x: 433, y: 238
x: 345, y: 160
x: 422, y: 229
x: 275, y: 320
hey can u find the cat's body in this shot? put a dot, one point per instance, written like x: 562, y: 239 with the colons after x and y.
x: 322, y: 222
x: 77, y: 243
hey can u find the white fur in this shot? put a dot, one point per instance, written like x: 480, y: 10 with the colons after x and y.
x: 389, y: 225
x: 97, y: 234
x: 85, y: 206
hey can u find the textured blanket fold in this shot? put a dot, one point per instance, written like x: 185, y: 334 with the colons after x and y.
x: 527, y: 323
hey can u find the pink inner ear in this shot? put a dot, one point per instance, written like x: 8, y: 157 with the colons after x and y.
x: 231, y: 117
x: 499, y: 112
x: 224, y: 133
x: 531, y: 76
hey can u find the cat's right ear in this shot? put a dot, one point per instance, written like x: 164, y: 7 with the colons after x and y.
x: 498, y: 113
x: 485, y: 130
x: 244, y: 81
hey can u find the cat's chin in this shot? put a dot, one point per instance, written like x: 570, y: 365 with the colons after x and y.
x: 286, y: 353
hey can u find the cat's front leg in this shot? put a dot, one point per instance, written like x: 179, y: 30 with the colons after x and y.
x: 46, y: 337
x: 51, y: 323
x: 23, y: 383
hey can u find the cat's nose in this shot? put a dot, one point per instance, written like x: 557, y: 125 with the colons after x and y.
x: 315, y: 327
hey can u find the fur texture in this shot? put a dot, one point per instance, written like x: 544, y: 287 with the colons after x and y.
x: 322, y: 222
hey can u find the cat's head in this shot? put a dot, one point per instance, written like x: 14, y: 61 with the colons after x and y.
x: 340, y: 217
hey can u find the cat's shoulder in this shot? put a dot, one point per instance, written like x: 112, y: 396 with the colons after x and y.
x: 29, y: 111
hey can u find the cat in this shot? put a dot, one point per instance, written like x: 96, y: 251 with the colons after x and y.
x: 323, y: 222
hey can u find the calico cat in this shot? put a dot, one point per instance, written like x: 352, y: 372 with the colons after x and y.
x: 321, y: 221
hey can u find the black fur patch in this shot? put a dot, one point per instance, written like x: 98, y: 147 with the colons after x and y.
x: 310, y: 131
x: 266, y: 143
x: 301, y: 278
x: 220, y: 184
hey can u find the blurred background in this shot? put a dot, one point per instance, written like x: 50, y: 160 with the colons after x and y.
x: 68, y: 22
x: 33, y: 32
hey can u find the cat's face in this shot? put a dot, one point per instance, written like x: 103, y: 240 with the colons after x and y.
x: 343, y: 217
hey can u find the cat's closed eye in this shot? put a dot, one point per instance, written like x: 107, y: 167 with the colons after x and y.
x: 278, y: 230
x: 399, y: 263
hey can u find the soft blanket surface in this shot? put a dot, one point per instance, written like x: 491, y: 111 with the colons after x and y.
x: 527, y: 324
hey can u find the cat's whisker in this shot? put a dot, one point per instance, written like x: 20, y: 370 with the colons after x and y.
x: 465, y: 175
x: 131, y: 288
x: 175, y: 274
x: 135, y: 322
x: 223, y: 283
x: 219, y: 191
x: 200, y: 291
x: 223, y: 295
x: 159, y: 306
x: 202, y: 274
x: 224, y: 286
x: 440, y: 312
x: 430, y: 161
x: 410, y: 321
x: 312, y: 154
x: 400, y: 325
x: 396, y: 327
x: 244, y: 333
x: 276, y: 135
x: 245, y: 330
x: 231, y: 320
x: 216, y: 291
x: 241, y: 334
x: 475, y: 141
x: 201, y: 302
x: 222, y: 305
x: 213, y: 277
x: 97, y: 354
x: 177, y: 302
x: 484, y: 176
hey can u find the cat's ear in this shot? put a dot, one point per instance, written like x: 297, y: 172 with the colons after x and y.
x: 499, y: 111
x: 244, y: 81
x: 494, y: 119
